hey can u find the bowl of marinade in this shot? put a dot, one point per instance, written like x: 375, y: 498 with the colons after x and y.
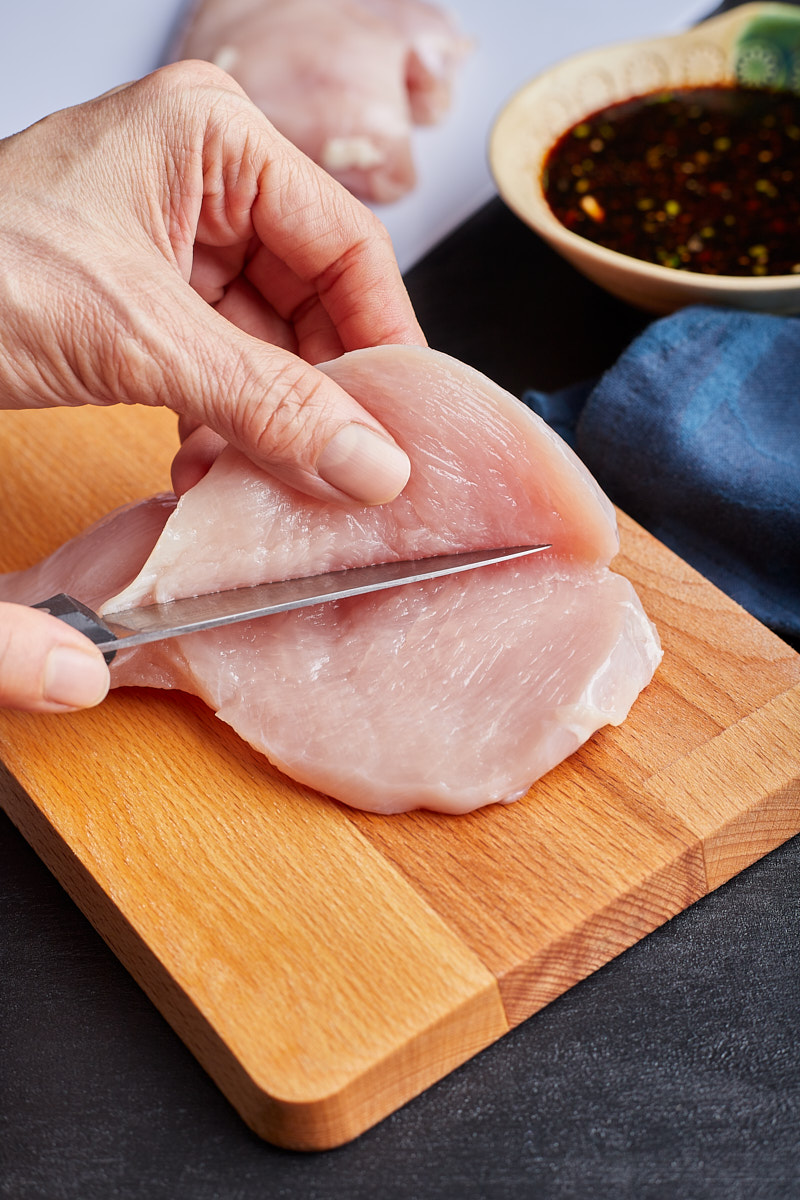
x: 668, y: 170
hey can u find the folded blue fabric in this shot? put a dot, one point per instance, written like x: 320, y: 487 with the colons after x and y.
x: 695, y: 432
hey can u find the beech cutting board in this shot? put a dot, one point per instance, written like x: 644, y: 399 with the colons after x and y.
x: 326, y: 965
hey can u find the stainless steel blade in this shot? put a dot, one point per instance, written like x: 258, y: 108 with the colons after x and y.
x: 137, y: 626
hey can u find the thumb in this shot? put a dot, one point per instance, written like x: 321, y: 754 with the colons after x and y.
x: 45, y: 665
x: 291, y: 419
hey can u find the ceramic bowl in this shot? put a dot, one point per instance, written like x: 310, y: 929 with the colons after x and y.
x: 756, y: 44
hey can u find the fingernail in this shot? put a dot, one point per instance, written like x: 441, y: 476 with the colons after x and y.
x: 364, y: 465
x: 74, y: 678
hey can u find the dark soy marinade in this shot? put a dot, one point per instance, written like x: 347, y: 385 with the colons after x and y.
x: 700, y: 179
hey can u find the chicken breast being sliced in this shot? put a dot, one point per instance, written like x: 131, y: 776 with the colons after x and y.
x: 345, y: 80
x: 449, y: 694
x: 486, y: 472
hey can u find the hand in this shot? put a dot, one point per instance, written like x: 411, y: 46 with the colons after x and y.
x: 164, y: 245
x: 45, y: 665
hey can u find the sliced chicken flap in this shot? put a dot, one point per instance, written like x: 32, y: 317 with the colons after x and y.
x: 486, y: 473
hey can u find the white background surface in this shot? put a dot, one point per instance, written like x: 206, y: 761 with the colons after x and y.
x: 60, y: 52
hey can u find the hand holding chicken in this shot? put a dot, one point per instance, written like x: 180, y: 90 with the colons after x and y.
x: 164, y: 245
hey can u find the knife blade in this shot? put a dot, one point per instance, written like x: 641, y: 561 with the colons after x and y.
x: 151, y: 623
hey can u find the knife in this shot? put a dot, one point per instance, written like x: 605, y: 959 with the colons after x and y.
x: 135, y: 626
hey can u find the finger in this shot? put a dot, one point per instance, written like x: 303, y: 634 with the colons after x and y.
x: 297, y: 304
x: 244, y: 306
x: 289, y: 418
x: 344, y: 252
x: 198, y: 451
x: 186, y: 427
x: 255, y: 181
x: 215, y: 267
x: 45, y: 665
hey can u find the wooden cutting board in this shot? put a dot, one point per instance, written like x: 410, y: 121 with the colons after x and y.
x: 326, y: 965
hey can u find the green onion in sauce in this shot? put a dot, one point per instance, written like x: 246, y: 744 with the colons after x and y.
x: 698, y: 179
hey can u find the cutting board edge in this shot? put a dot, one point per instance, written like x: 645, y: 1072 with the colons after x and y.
x: 733, y: 840
x: 604, y: 935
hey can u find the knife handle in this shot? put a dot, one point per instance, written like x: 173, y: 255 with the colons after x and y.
x: 80, y: 617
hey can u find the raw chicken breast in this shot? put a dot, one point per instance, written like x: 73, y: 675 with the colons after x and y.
x: 344, y: 80
x: 449, y: 694
x: 100, y: 561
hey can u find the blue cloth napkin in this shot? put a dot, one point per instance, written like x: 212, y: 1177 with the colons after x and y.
x: 695, y: 432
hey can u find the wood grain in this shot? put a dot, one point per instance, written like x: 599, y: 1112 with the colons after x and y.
x: 326, y: 965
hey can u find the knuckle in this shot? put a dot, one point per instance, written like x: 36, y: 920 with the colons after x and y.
x: 193, y: 86
x: 189, y: 72
x: 279, y: 425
